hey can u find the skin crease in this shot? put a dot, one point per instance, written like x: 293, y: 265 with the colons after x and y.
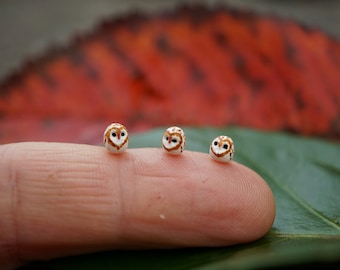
x: 63, y: 199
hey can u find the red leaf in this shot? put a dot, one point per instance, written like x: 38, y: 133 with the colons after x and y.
x: 195, y: 66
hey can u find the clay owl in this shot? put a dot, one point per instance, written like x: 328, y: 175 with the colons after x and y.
x: 116, y: 138
x: 222, y: 149
x: 173, y: 140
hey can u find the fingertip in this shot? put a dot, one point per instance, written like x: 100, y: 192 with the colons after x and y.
x: 256, y: 206
x: 247, y: 205
x: 210, y: 203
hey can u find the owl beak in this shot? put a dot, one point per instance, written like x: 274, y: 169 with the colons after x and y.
x: 219, y: 143
x: 169, y: 139
x: 118, y: 134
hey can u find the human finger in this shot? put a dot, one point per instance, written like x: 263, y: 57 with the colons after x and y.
x: 65, y: 199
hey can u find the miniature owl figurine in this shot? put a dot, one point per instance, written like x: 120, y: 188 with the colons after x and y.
x: 173, y: 140
x: 222, y: 149
x: 116, y: 138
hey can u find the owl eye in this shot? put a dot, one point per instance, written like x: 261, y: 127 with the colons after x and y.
x: 225, y: 146
x: 167, y: 138
x: 113, y: 134
x: 215, y: 143
x: 123, y: 134
x: 174, y: 140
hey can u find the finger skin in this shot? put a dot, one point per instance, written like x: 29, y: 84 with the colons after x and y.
x: 64, y: 199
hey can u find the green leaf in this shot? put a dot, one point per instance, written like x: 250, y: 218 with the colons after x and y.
x: 304, y: 175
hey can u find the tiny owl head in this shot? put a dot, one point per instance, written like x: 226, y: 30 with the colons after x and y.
x: 173, y: 140
x: 222, y: 148
x: 116, y: 138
